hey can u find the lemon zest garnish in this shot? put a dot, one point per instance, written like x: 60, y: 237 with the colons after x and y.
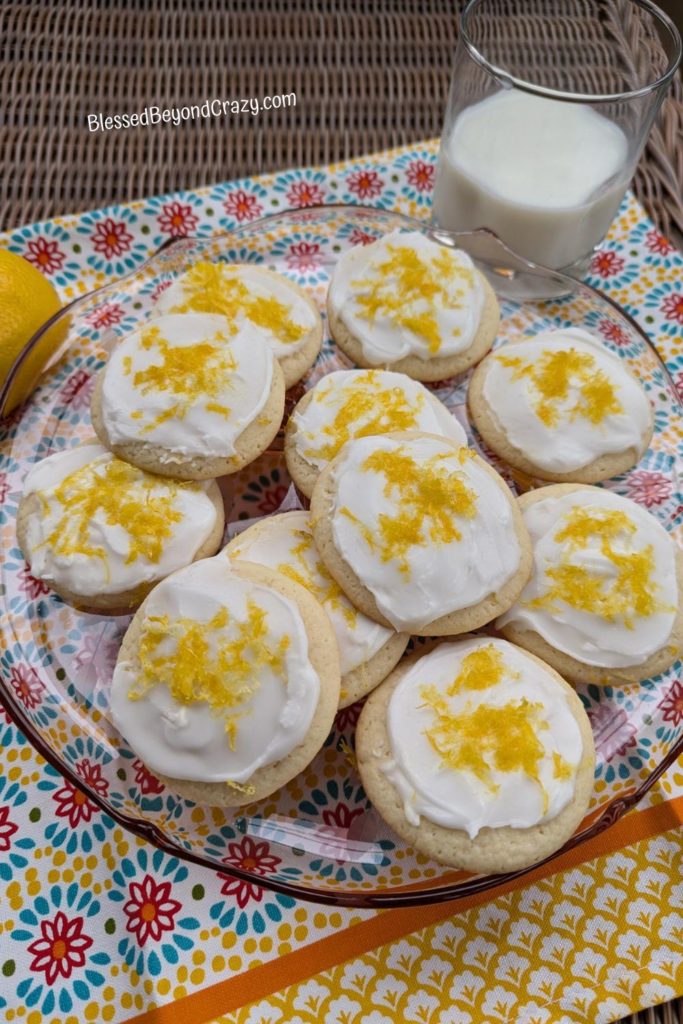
x: 562, y: 770
x: 212, y: 288
x: 628, y: 594
x: 367, y: 410
x: 552, y: 376
x: 502, y: 737
x: 432, y: 498
x: 479, y: 669
x: 247, y: 790
x: 191, y: 372
x: 349, y: 754
x: 204, y: 665
x: 409, y: 289
x: 328, y: 592
x: 583, y: 523
x: 124, y: 496
x: 222, y: 410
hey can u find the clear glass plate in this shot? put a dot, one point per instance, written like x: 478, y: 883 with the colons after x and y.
x: 318, y: 837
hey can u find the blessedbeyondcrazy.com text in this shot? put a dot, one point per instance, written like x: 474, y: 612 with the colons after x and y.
x: 153, y: 115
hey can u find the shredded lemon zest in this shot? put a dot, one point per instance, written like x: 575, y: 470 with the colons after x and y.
x: 410, y: 288
x: 477, y: 739
x: 628, y: 594
x: 247, y: 790
x: 349, y: 754
x: 479, y: 670
x: 124, y: 496
x: 202, y: 371
x: 367, y: 409
x: 554, y: 374
x: 562, y: 770
x: 432, y: 496
x: 213, y: 288
x: 328, y: 592
x: 201, y: 663
x: 488, y: 737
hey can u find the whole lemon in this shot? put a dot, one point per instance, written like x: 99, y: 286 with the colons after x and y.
x: 27, y: 300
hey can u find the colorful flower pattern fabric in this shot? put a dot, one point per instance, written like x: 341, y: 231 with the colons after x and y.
x: 97, y: 925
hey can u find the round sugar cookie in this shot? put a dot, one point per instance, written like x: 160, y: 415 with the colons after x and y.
x: 409, y: 304
x: 185, y: 397
x: 420, y: 533
x: 275, y: 308
x: 357, y: 403
x: 477, y: 754
x: 560, y: 406
x: 102, y: 532
x: 368, y: 651
x: 604, y: 602
x: 227, y: 682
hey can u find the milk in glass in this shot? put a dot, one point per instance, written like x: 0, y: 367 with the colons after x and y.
x: 546, y: 176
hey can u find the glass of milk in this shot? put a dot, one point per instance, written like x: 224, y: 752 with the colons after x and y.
x: 550, y: 106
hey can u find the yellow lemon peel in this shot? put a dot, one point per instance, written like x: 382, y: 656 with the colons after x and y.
x: 246, y: 790
x: 562, y: 770
x: 487, y: 737
x: 554, y: 374
x: 213, y: 288
x: 629, y: 593
x: 365, y: 411
x: 202, y: 664
x: 432, y: 496
x: 193, y: 373
x: 124, y: 496
x: 480, y: 669
x: 410, y: 288
x: 328, y: 592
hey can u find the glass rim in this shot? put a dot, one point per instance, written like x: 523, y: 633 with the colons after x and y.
x: 576, y: 97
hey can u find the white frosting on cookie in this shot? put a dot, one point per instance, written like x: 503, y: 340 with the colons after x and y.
x: 104, y: 526
x: 220, y: 677
x: 285, y: 543
x: 186, y: 383
x: 429, y: 533
x: 481, y: 735
x: 406, y: 295
x: 247, y: 296
x: 357, y: 403
x: 563, y: 400
x: 604, y: 588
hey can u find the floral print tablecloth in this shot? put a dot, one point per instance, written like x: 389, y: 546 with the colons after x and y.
x: 96, y: 925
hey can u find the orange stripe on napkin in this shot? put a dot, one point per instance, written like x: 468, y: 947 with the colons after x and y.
x: 389, y: 925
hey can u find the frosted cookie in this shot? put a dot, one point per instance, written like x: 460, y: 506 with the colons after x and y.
x: 420, y: 534
x: 604, y: 600
x: 183, y: 396
x: 478, y: 755
x: 367, y: 651
x: 274, y: 308
x: 358, y: 403
x: 227, y: 681
x: 559, y: 406
x: 101, y: 532
x: 406, y: 303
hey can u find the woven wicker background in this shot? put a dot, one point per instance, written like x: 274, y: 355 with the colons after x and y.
x: 367, y: 75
